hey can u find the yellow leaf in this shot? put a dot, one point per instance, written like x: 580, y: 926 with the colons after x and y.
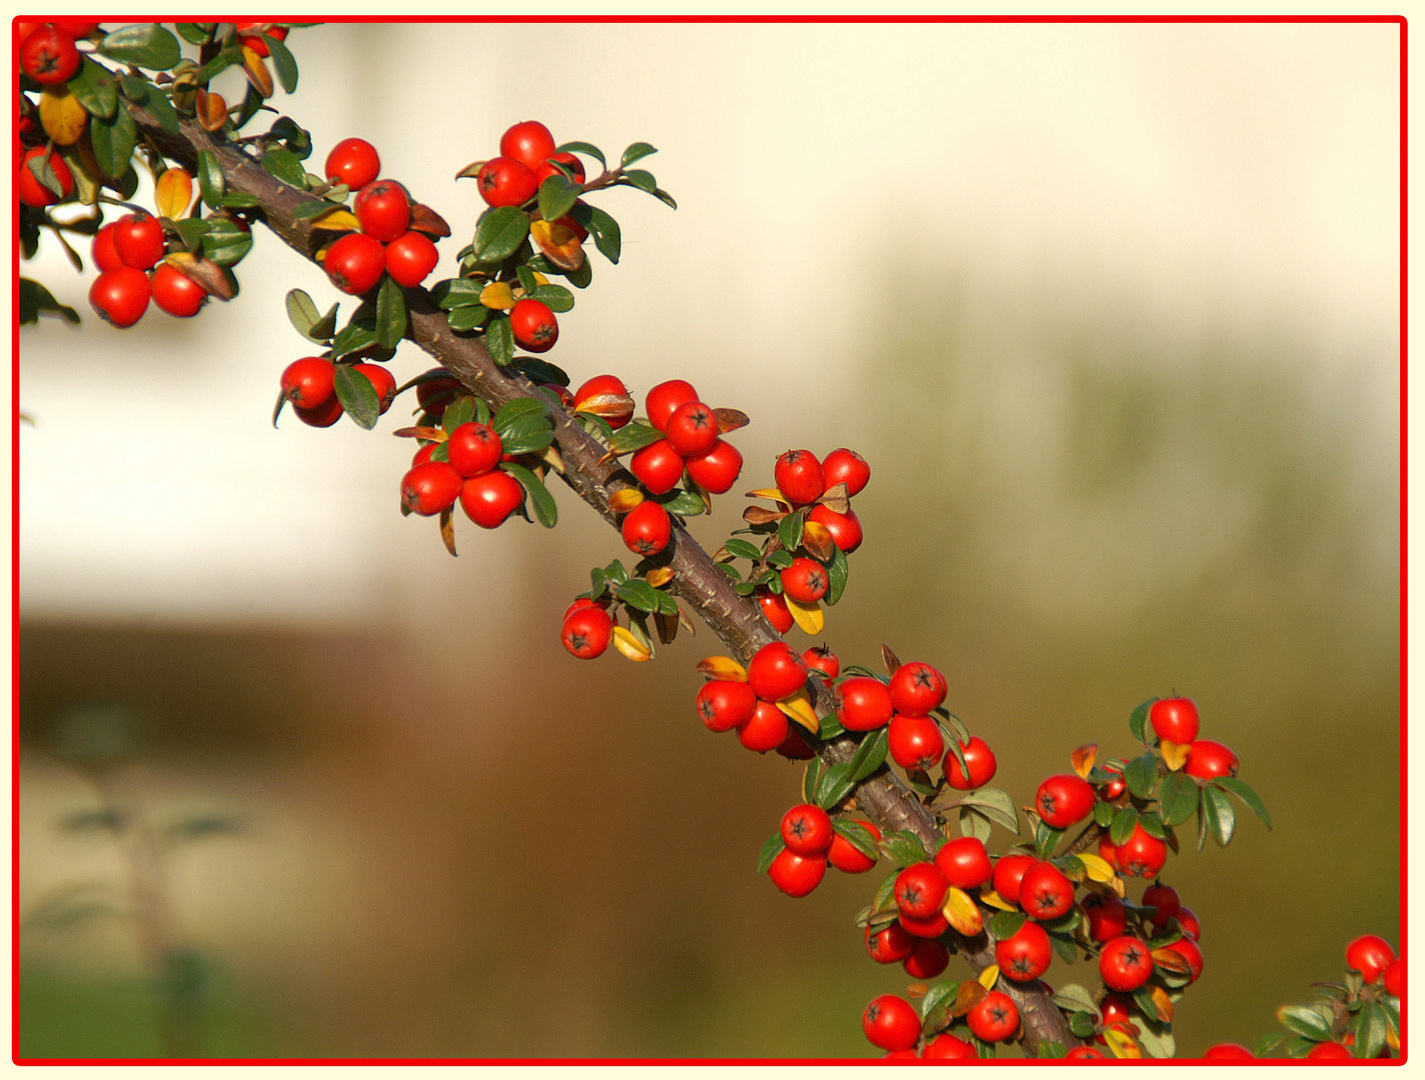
x: 609, y: 406
x: 1392, y: 1040
x: 560, y: 244
x: 1083, y: 758
x: 173, y: 193
x: 255, y: 68
x: 809, y: 617
x: 1121, y: 1043
x: 798, y: 708
x: 767, y: 493
x: 1175, y: 755
x: 722, y: 667
x: 498, y: 295
x: 540, y: 279
x: 994, y: 900
x: 337, y: 219
x: 989, y: 976
x: 1163, y: 1002
x: 621, y: 502
x: 62, y: 116
x: 1096, y: 866
x: 961, y: 911
x: 630, y: 646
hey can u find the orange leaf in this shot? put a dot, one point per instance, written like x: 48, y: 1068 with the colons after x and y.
x: 835, y: 499
x: 207, y: 274
x: 560, y: 244
x: 967, y: 997
x: 722, y: 667
x: 963, y: 913
x: 730, y: 420
x: 767, y: 493
x: 426, y: 220
x: 1096, y: 866
x: 212, y: 110
x: 1083, y: 758
x: 173, y: 193
x: 1163, y: 1002
x: 816, y: 538
x: 659, y: 577
x: 1121, y: 1043
x: 994, y: 900
x: 890, y: 659
x: 608, y: 406
x: 337, y: 219
x: 624, y: 500
x: 471, y: 170
x: 1171, y: 960
x: 447, y: 529
x: 758, y: 515
x: 255, y: 68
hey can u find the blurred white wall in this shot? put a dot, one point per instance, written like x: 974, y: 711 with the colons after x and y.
x: 1240, y: 175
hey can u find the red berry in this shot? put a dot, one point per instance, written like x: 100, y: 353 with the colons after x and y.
x: 587, y: 631
x: 435, y: 394
x: 534, y: 325
x: 490, y: 499
x: 723, y: 705
x: 658, y: 467
x: 1165, y: 899
x: 545, y: 170
x: 1112, y: 789
x: 1124, y: 964
x: 823, y: 661
x: 121, y: 296
x: 797, y: 875
x: 1370, y: 955
x: 775, y: 610
x: 1174, y: 719
x: 979, y: 761
x: 920, y: 890
x: 964, y: 862
x: 665, y: 398
x: 845, y: 528
x: 1079, y: 1052
x: 138, y: 240
x: 799, y: 477
x: 794, y: 747
x: 917, y: 689
x: 1329, y: 1051
x: 410, y: 258
x: 430, y: 488
x: 846, y: 858
x: 767, y: 729
x: 78, y: 28
x: 48, y: 55
x: 1064, y: 800
x: 606, y: 386
x: 891, y: 944
x: 1189, y: 923
x: 891, y: 1023
x: 1227, y: 1050
x: 1009, y: 872
x: 692, y: 429
x: 646, y: 529
x: 863, y: 704
x: 353, y: 162
x: 1141, y: 855
x: 993, y: 1018
x: 1026, y: 954
x: 309, y: 382
x: 355, y: 263
x: 529, y: 142
x: 30, y: 191
x: 176, y: 293
x: 848, y: 467
x: 806, y: 829
x: 503, y: 181
x: 1208, y: 759
x: 718, y: 469
x: 254, y: 41
x: 384, y: 210
x: 324, y: 415
x: 1107, y: 916
x: 915, y: 742
x: 927, y: 960
x: 946, y: 1046
x: 1045, y: 893
x: 102, y: 251
x: 1189, y: 951
x: 805, y: 581
x: 1394, y: 978
x: 474, y: 449
x: 932, y: 927
x: 776, y: 672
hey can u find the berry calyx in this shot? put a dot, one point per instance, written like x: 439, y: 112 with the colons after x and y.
x: 1064, y: 800
x: 309, y: 382
x: 723, y: 705
x: 48, y: 55
x: 917, y: 689
x: 665, y: 399
x: 994, y: 1017
x: 1045, y: 893
x: 892, y: 1023
x: 1124, y: 964
x: 1141, y: 855
x: 805, y: 581
x: 1025, y: 955
x: 505, y: 181
x: 920, y: 890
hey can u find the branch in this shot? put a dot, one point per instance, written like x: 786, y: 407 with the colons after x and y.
x: 736, y: 620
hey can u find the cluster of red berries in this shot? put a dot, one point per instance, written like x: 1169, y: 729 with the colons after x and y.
x: 747, y: 701
x: 892, y: 1023
x: 131, y: 256
x: 388, y: 242
x: 811, y: 843
x: 309, y: 385
x: 470, y: 474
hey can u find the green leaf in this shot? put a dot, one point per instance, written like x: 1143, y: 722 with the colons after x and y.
x: 500, y: 340
x: 1103, y: 812
x: 162, y: 110
x: 685, y: 503
x: 1249, y: 797
x: 460, y: 411
x: 146, y: 45
x: 779, y: 559
x: 582, y: 148
x: 789, y: 530
x: 1157, y: 1044
x: 456, y: 292
x: 302, y: 313
x: 113, y: 141
x: 1152, y: 824
x: 286, y: 166
x: 555, y: 297
x: 904, y: 848
x: 390, y: 313
x: 581, y: 277
x: 1272, y: 1045
x: 191, y: 231
x: 36, y: 300
x: 641, y: 179
x: 1081, y: 1024
x: 870, y: 755
x: 225, y: 243
x: 239, y: 200
x: 357, y: 396
x: 95, y: 89
x: 1141, y: 775
x: 544, y: 509
x: 527, y: 280
x: 771, y: 848
x: 1138, y: 720
x: 1074, y: 998
x: 211, y: 184
x: 529, y: 437
x: 1177, y: 796
x: 1050, y: 1049
x: 1220, y: 817
x: 357, y: 335
x: 284, y: 63
x: 974, y: 823
x: 833, y: 786
x: 639, y: 594
x: 1308, y: 1020
x: 616, y: 573
x: 742, y: 549
x: 634, y: 436
x: 938, y: 999
x: 556, y: 197
x: 1046, y: 839
x: 499, y: 233
x: 635, y: 152
x: 836, y: 573
x: 1005, y: 924
x: 514, y: 410
x: 858, y: 836
x: 809, y: 779
x: 468, y: 318
x: 1063, y: 948
x: 310, y: 209
x: 995, y: 804
x: 1146, y: 1005
x: 541, y: 371
x: 1370, y: 1027
x: 193, y: 33
x: 1124, y: 822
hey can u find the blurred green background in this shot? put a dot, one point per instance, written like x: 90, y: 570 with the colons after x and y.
x: 1125, y: 368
